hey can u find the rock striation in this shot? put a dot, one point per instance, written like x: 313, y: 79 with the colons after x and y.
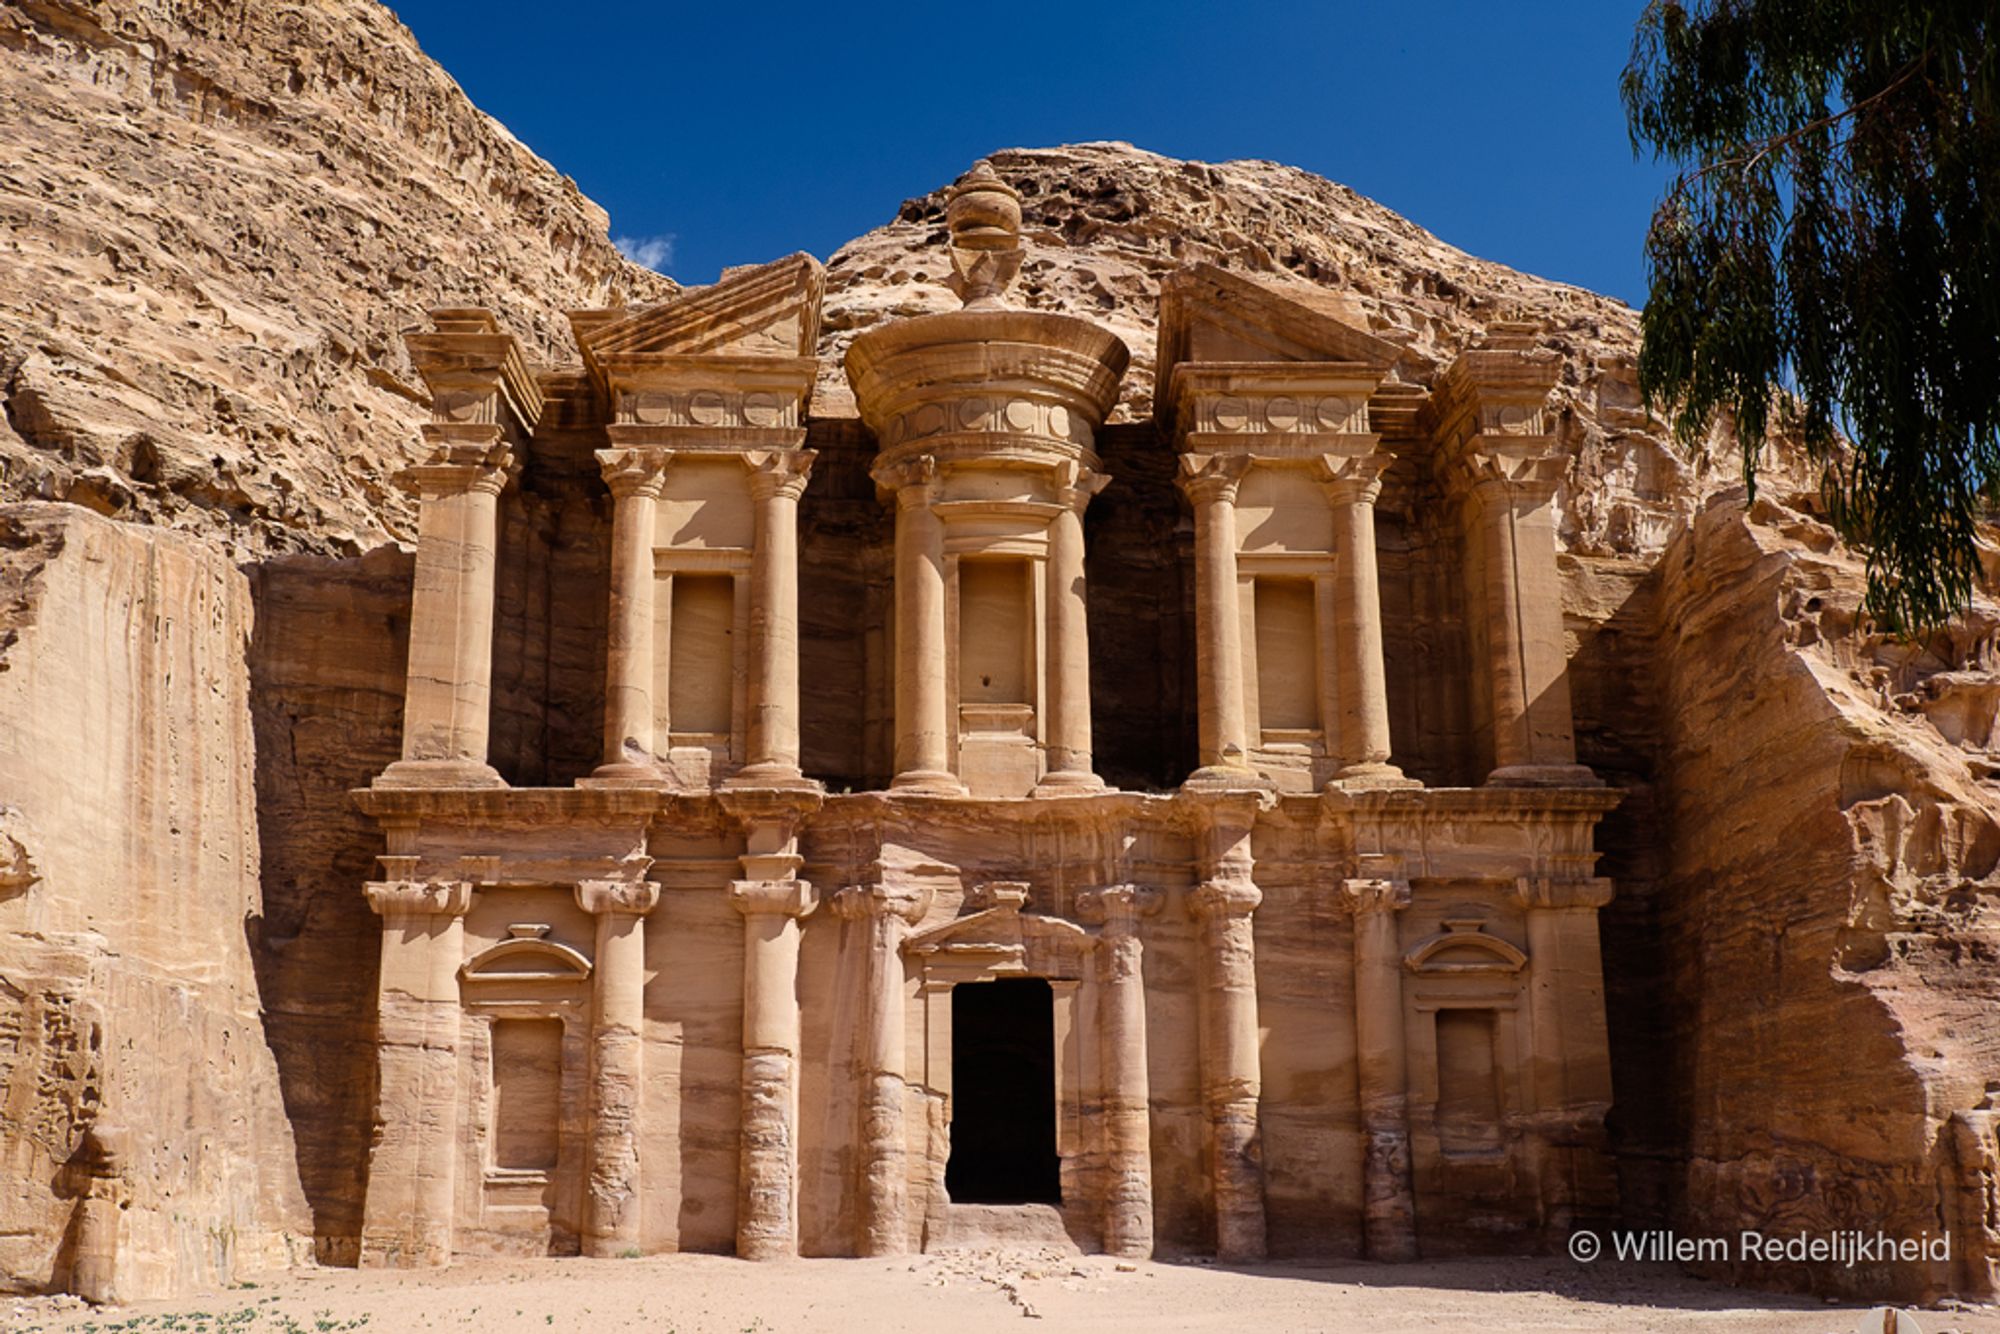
x: 216, y: 220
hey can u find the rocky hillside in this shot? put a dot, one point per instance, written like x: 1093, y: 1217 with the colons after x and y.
x: 215, y: 219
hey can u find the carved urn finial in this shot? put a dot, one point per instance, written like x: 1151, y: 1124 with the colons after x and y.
x: 984, y: 214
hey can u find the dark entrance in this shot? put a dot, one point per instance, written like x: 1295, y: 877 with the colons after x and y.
x: 1003, y: 1094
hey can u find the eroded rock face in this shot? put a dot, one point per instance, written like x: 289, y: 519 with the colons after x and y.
x: 217, y: 219
x: 1827, y: 918
x: 133, y: 1063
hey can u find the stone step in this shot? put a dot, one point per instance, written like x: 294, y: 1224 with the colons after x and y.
x: 970, y: 1226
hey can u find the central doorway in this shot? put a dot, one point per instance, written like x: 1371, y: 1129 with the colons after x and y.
x: 1003, y: 1101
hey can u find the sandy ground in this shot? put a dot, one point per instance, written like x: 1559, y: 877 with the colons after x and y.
x: 974, y: 1291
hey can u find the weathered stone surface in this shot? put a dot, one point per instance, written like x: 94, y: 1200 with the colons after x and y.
x: 1827, y: 913
x: 134, y: 1052
x: 218, y: 219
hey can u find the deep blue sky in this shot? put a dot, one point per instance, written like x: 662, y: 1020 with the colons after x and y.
x: 745, y: 131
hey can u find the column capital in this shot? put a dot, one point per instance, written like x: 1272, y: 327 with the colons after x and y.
x: 1525, y: 470
x: 1076, y: 486
x: 1117, y: 908
x: 461, y: 459
x: 634, y: 897
x: 1543, y: 891
x: 1372, y: 896
x: 636, y: 471
x: 419, y: 898
x: 779, y: 472
x: 911, y: 479
x: 1224, y: 898
x: 1211, y: 477
x: 859, y: 902
x: 1349, y: 479
x: 790, y: 898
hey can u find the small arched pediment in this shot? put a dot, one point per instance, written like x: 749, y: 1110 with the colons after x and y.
x: 1463, y: 948
x: 526, y: 956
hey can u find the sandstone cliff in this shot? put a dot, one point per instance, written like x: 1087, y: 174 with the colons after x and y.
x: 129, y: 1004
x: 217, y: 217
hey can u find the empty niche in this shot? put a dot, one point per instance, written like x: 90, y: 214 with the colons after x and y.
x: 993, y: 638
x: 1468, y: 1101
x: 701, y: 662
x: 1287, y: 655
x: 527, y: 1093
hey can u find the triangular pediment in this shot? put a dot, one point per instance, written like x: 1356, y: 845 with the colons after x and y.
x: 771, y: 310
x: 1209, y: 314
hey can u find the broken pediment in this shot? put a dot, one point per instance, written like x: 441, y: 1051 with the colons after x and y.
x: 1211, y: 315
x: 771, y: 310
x: 1004, y: 938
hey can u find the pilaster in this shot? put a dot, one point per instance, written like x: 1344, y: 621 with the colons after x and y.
x: 1210, y: 482
x: 484, y: 405
x: 613, y: 1220
x: 883, y: 913
x: 635, y: 476
x: 407, y: 1218
x: 1499, y: 461
x: 1381, y: 1052
x: 1124, y: 1116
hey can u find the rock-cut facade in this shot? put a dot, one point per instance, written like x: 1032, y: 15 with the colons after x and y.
x: 699, y: 999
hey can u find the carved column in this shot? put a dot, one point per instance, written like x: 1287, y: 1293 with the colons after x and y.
x: 1231, y: 1067
x: 1489, y: 416
x: 1381, y: 1047
x: 772, y: 904
x: 923, y: 725
x: 1569, y: 1063
x: 1511, y: 517
x: 885, y: 914
x: 613, y: 1222
x: 635, y: 477
x: 412, y: 1165
x: 449, y: 684
x: 1354, y: 638
x: 777, y: 480
x: 1210, y: 481
x: 1069, y: 639
x: 1126, y: 1118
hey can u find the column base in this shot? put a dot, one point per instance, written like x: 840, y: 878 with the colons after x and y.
x: 1544, y: 775
x: 439, y: 774
x: 771, y: 776
x: 928, y: 782
x: 625, y: 773
x: 1068, y: 783
x: 1370, y: 777
x: 1226, y: 778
